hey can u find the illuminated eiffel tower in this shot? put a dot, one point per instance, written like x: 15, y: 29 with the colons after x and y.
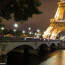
x: 57, y: 23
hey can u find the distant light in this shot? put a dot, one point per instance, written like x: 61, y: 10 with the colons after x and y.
x: 30, y: 32
x: 14, y: 30
x: 16, y: 25
x: 34, y: 37
x: 44, y: 39
x: 23, y: 31
x: 35, y: 33
x: 2, y: 28
x: 29, y: 28
x: 40, y: 34
x: 38, y: 30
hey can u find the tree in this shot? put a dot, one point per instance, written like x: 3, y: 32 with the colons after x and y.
x: 21, y: 9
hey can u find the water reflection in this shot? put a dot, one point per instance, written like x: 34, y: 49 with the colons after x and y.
x: 54, y: 58
x: 57, y: 59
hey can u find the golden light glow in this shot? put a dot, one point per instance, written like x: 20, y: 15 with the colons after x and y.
x: 55, y: 26
x: 47, y: 32
x: 61, y: 0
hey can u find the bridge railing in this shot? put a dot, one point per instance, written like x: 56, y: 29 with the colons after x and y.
x: 19, y: 39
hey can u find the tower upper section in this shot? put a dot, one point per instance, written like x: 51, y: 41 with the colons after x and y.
x: 60, y: 12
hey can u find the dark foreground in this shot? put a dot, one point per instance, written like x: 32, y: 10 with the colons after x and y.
x: 54, y: 58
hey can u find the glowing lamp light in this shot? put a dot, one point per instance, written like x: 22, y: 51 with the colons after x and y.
x: 23, y: 31
x: 35, y: 33
x: 38, y: 30
x: 29, y: 28
x: 14, y: 30
x: 30, y: 32
x: 2, y: 28
x: 16, y: 25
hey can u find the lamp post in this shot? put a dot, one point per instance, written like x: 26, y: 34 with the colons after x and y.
x: 16, y: 26
x: 38, y: 30
x: 15, y: 31
x: 29, y: 28
x: 2, y: 28
x: 23, y: 32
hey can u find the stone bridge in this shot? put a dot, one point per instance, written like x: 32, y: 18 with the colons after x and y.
x: 7, y: 45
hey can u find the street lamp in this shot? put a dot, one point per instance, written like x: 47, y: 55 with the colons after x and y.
x: 15, y: 31
x: 15, y: 25
x: 23, y: 31
x: 35, y: 33
x: 30, y: 32
x: 29, y: 28
x: 2, y: 28
x: 38, y: 30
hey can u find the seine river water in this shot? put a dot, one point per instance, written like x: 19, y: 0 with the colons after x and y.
x: 53, y: 58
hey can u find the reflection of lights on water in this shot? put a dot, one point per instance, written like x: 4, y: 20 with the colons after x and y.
x: 55, y: 58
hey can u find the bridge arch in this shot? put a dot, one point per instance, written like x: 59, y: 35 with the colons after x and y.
x: 13, y: 45
x: 22, y: 49
x: 58, y: 45
x: 53, y: 47
x: 46, y: 44
x: 42, y: 48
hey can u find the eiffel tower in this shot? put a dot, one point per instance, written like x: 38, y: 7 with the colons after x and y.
x: 57, y: 23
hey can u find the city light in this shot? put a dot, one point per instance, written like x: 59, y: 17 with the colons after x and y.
x: 2, y: 28
x: 23, y: 31
x: 35, y: 33
x: 14, y: 30
x: 38, y: 30
x: 29, y: 28
x: 16, y: 25
x: 30, y: 32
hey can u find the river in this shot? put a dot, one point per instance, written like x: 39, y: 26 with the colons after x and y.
x: 53, y: 58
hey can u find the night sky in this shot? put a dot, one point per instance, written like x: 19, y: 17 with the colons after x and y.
x: 41, y: 21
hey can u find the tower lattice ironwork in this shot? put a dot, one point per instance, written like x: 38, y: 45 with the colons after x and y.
x: 57, y: 23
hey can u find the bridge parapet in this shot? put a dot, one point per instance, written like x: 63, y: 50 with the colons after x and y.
x: 7, y: 43
x: 18, y: 39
